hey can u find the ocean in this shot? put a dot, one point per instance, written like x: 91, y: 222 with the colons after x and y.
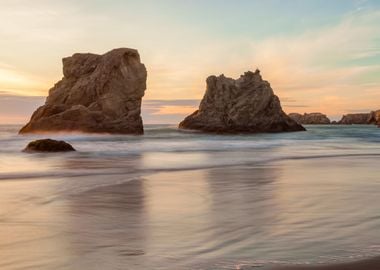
x: 173, y: 199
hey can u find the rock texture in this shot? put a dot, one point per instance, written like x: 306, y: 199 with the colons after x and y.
x: 245, y: 105
x: 310, y: 118
x: 98, y: 93
x: 356, y: 119
x: 48, y: 145
x: 375, y: 117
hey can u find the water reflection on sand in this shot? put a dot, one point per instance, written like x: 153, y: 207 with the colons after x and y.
x: 213, y: 218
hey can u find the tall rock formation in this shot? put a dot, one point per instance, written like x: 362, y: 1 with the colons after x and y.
x: 245, y: 105
x: 310, y: 118
x: 98, y: 93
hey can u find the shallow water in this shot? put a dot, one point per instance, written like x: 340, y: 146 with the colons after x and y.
x: 181, y: 200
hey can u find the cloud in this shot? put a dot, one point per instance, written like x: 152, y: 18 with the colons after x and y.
x: 18, y: 82
x: 338, y: 60
x: 329, y: 69
x: 170, y: 110
x: 156, y: 105
x: 18, y: 109
x: 167, y: 111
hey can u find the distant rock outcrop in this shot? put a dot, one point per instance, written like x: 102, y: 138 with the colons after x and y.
x: 48, y: 145
x: 356, y: 119
x: 98, y: 93
x: 375, y: 117
x: 245, y: 105
x: 310, y: 118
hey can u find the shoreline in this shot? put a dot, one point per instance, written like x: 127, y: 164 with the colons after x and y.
x: 367, y: 264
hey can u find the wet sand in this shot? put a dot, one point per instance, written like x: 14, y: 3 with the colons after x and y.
x: 239, y: 217
x: 370, y: 264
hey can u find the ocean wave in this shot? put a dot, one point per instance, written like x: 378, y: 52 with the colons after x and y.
x: 117, y: 167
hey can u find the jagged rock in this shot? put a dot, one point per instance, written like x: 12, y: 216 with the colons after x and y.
x: 356, y: 119
x: 245, y: 105
x: 48, y: 145
x: 98, y: 93
x: 310, y: 118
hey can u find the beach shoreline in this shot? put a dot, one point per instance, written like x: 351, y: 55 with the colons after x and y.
x: 367, y: 264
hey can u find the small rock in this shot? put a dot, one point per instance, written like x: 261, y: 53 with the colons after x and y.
x: 48, y: 145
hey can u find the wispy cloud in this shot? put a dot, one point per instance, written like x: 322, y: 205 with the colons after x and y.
x: 18, y: 82
x: 326, y: 69
x: 329, y: 69
x: 18, y: 109
x: 168, y: 111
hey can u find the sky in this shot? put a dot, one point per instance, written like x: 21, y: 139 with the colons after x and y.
x: 319, y: 56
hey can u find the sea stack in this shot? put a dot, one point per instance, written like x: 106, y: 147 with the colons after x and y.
x: 310, y: 118
x: 98, y: 94
x: 245, y: 105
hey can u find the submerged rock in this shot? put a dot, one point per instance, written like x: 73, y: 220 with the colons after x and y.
x: 98, y: 93
x: 310, y: 118
x: 48, y: 145
x: 245, y: 105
